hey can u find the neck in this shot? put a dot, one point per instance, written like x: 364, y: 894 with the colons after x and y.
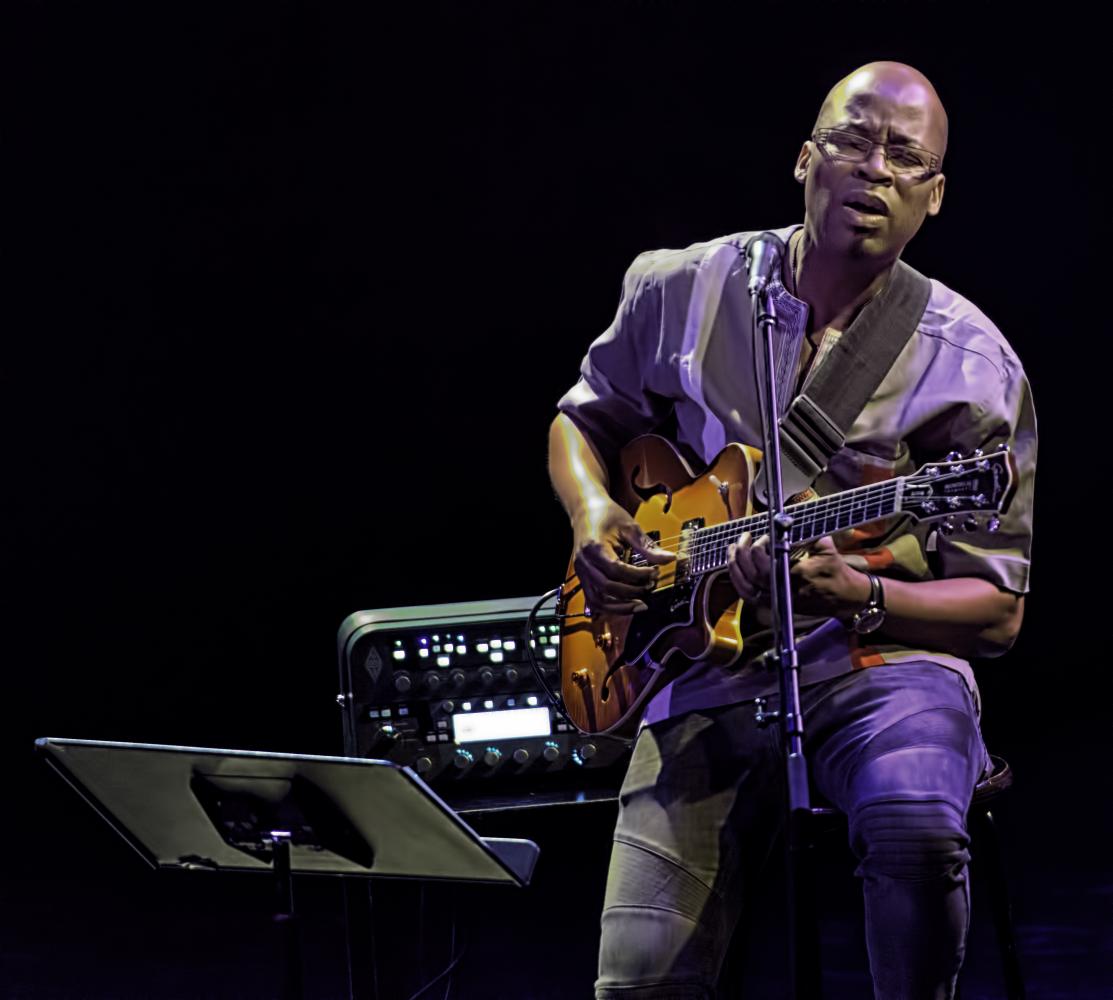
x: 834, y: 286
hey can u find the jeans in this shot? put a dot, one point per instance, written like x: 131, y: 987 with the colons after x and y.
x: 896, y: 748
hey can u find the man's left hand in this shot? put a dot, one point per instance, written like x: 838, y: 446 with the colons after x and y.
x: 823, y: 582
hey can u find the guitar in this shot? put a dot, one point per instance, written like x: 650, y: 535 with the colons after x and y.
x: 612, y: 664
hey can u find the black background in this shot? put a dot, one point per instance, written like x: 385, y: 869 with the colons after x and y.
x: 292, y: 292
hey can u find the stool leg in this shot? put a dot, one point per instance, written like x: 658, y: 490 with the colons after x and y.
x: 991, y: 866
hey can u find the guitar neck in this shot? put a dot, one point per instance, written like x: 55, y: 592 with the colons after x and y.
x: 706, y: 548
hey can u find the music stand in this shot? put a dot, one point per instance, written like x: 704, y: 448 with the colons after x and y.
x: 240, y: 810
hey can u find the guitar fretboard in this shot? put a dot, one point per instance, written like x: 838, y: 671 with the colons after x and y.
x: 706, y: 548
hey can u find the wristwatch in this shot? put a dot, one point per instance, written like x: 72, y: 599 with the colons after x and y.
x: 869, y: 619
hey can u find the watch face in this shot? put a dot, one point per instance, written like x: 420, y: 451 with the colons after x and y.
x: 868, y: 620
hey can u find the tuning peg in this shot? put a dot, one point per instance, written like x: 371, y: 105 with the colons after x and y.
x: 977, y: 453
x: 993, y: 523
x: 947, y: 526
x: 970, y: 524
x: 953, y: 456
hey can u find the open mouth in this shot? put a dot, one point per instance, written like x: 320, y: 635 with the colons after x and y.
x: 867, y: 206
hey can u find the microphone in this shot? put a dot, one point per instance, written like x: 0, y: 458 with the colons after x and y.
x: 763, y: 256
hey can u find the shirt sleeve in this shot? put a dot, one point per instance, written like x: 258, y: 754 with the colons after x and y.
x: 622, y: 391
x: 1004, y: 415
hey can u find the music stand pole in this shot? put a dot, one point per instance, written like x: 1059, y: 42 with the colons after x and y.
x: 803, y: 935
x: 285, y: 919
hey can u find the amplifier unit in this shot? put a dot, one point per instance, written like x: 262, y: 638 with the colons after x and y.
x: 449, y: 690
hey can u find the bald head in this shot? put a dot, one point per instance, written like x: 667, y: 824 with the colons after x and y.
x: 890, y: 85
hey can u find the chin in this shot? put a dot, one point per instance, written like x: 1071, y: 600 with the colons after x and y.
x: 866, y: 245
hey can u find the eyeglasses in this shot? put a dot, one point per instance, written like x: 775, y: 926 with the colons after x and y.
x: 840, y: 145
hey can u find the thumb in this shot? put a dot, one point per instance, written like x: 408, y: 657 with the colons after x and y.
x: 641, y: 543
x: 823, y: 547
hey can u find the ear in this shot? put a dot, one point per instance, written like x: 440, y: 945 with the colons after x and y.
x: 935, y: 196
x: 803, y: 159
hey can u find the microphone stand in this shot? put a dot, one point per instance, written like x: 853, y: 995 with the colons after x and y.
x: 803, y: 931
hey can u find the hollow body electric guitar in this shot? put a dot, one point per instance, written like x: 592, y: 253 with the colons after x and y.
x: 612, y: 664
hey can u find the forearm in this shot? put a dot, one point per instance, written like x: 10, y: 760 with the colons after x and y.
x: 576, y: 469
x: 966, y: 616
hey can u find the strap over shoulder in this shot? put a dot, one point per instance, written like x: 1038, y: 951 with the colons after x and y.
x: 816, y: 424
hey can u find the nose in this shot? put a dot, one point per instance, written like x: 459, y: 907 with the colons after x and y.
x: 875, y: 167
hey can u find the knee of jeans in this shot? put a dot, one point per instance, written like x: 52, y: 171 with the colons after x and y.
x: 655, y: 951
x: 910, y: 840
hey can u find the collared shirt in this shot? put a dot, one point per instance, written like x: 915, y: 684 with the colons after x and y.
x: 680, y: 352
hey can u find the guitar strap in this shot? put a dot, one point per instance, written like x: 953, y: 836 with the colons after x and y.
x: 816, y: 424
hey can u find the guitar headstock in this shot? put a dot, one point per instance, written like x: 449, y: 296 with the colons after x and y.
x: 960, y: 488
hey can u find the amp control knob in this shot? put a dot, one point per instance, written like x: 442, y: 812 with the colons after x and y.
x: 423, y: 764
x: 583, y: 754
x: 486, y: 675
x: 551, y: 751
x: 492, y: 757
x: 521, y: 756
x: 402, y: 681
x: 432, y: 680
x: 458, y: 677
x: 463, y: 758
x: 512, y: 675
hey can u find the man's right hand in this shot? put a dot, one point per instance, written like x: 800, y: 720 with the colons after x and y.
x: 600, y: 534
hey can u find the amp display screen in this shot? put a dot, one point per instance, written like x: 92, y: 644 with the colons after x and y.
x: 506, y: 724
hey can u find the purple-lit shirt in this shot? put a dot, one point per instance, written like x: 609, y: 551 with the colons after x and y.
x: 680, y: 349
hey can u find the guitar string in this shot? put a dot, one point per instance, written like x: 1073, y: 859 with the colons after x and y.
x: 799, y: 534
x: 854, y: 501
x: 808, y: 511
x: 709, y: 544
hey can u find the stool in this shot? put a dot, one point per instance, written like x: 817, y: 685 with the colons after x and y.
x: 985, y: 854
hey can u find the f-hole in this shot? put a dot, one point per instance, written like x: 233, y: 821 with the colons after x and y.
x: 646, y: 492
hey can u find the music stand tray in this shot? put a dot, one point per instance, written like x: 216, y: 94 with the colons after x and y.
x: 202, y: 808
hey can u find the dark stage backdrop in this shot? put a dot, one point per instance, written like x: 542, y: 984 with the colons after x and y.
x: 292, y: 292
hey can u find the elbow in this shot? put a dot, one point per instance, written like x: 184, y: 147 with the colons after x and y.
x: 998, y: 638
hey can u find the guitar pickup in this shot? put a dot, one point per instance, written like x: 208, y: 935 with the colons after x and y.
x: 683, y: 555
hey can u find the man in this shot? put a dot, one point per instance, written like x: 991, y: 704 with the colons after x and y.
x: 896, y: 746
